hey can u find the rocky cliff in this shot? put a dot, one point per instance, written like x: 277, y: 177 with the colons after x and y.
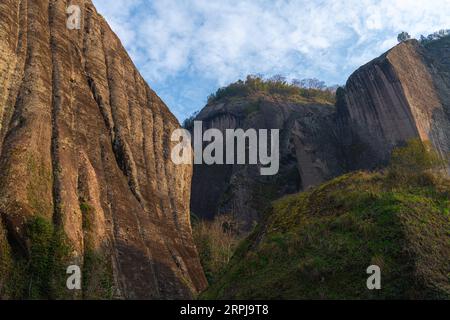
x: 402, y: 95
x: 85, y: 159
x: 309, y: 153
x: 318, y: 244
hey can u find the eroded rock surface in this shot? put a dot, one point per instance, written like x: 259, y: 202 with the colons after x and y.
x: 85, y: 144
x: 309, y: 155
x: 401, y: 95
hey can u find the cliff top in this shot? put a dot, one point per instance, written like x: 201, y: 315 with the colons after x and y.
x: 438, y: 44
x: 278, y: 86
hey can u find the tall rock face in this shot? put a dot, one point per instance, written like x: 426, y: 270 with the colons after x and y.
x: 85, y: 152
x: 309, y: 154
x: 401, y: 95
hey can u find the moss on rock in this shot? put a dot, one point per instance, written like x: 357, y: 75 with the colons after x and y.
x: 319, y: 244
x: 97, y: 265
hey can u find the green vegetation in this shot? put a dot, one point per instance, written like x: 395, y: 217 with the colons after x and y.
x: 41, y: 273
x: 319, y: 244
x: 97, y: 267
x: 97, y: 276
x: 408, y: 163
x: 46, y: 267
x: 276, y: 86
x: 37, y: 268
x: 443, y: 33
x: 5, y: 261
x: 216, y: 241
x: 40, y: 184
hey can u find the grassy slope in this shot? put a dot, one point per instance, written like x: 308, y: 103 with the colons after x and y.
x: 318, y: 244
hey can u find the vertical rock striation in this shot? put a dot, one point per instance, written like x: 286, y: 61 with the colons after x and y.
x: 85, y: 144
x: 401, y: 95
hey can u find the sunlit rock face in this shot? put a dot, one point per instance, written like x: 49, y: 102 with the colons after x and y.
x: 85, y: 145
x: 401, y: 95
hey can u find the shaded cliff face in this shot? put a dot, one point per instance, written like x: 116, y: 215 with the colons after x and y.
x: 401, y: 95
x: 318, y: 244
x: 85, y: 148
x: 308, y: 154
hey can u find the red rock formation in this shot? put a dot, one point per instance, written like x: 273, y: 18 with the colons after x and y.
x: 82, y: 134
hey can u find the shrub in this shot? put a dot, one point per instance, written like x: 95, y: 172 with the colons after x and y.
x: 97, y: 267
x: 403, y: 36
x: 216, y: 242
x: 41, y: 274
x: 414, y: 160
x: 434, y: 36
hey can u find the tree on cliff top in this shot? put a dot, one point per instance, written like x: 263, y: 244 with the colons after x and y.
x: 308, y: 88
x: 403, y: 36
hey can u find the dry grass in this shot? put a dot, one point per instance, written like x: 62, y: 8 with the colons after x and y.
x: 216, y: 242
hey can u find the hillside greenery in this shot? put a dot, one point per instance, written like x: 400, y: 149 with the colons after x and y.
x: 40, y: 272
x: 318, y: 244
x: 275, y: 86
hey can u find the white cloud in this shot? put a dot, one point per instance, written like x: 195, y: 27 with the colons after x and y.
x: 224, y: 40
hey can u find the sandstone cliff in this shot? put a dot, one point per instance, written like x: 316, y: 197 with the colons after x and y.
x: 401, y: 95
x: 317, y: 244
x: 308, y: 154
x: 85, y: 148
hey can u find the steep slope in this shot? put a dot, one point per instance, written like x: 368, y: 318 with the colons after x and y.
x: 319, y: 244
x: 401, y: 95
x: 85, y: 151
x: 308, y: 153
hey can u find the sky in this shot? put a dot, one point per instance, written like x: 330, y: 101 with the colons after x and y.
x: 187, y: 49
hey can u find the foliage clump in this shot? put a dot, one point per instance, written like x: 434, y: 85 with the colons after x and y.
x: 97, y: 266
x: 443, y: 33
x: 410, y: 162
x: 276, y: 85
x: 39, y: 273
